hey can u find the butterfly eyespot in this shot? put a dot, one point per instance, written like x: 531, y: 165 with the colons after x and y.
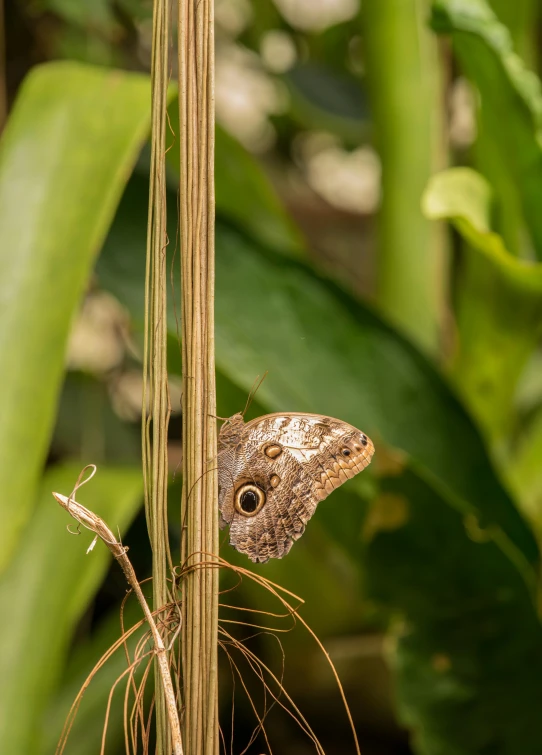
x: 346, y: 452
x: 364, y: 440
x: 274, y: 480
x: 272, y: 450
x: 249, y: 499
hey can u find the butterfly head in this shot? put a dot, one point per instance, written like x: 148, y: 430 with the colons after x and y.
x: 231, y: 430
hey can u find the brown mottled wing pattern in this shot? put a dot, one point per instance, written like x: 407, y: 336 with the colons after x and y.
x: 273, y: 471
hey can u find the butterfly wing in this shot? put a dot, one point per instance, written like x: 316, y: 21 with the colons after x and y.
x: 275, y: 471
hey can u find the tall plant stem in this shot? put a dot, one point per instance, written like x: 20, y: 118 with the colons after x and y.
x: 156, y: 405
x: 403, y: 72
x: 200, y: 494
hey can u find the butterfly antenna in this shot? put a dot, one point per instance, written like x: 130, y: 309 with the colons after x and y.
x: 256, y: 385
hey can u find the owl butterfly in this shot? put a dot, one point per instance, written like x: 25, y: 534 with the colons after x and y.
x: 274, y: 470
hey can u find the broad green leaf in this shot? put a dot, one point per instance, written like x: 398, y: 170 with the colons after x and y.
x: 244, y: 194
x: 327, y: 353
x: 499, y: 301
x: 511, y: 100
x: 464, y: 197
x: 86, y: 733
x: 327, y: 100
x: 46, y: 589
x: 96, y: 14
x: 467, y: 650
x: 65, y: 155
x: 87, y: 427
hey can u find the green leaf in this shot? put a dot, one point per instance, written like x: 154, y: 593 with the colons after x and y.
x: 87, y: 427
x: 467, y: 647
x: 46, y: 589
x: 67, y: 150
x: 325, y: 353
x: 463, y: 196
x: 244, y: 194
x: 87, y: 14
x: 86, y: 733
x: 511, y: 100
x: 327, y: 100
x: 499, y: 301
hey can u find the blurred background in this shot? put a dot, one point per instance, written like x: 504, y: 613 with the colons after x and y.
x: 379, y: 248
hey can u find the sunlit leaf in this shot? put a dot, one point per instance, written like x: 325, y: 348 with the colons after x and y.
x: 511, y: 100
x: 47, y: 587
x: 499, y: 301
x: 86, y: 733
x: 67, y: 150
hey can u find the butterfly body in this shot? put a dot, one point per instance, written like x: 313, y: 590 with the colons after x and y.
x: 274, y: 470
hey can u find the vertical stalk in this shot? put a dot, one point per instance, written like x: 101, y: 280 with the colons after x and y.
x: 403, y: 74
x: 200, y: 494
x: 156, y: 407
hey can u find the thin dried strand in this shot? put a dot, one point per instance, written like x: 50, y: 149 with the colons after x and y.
x: 261, y: 726
x: 295, y: 713
x: 139, y: 710
x: 126, y: 672
x: 70, y: 718
x: 278, y: 592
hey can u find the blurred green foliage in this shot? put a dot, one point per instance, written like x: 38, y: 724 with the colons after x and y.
x: 435, y: 547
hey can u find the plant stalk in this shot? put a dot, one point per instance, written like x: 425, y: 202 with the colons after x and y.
x: 403, y: 75
x: 200, y: 489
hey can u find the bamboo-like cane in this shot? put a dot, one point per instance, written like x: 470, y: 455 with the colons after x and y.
x: 200, y: 488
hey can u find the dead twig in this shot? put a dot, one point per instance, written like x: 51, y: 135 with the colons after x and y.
x: 95, y: 524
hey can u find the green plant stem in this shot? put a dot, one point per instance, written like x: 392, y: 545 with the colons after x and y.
x: 403, y: 75
x: 200, y: 489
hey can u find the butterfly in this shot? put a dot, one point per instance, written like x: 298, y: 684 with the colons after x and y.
x: 274, y: 470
